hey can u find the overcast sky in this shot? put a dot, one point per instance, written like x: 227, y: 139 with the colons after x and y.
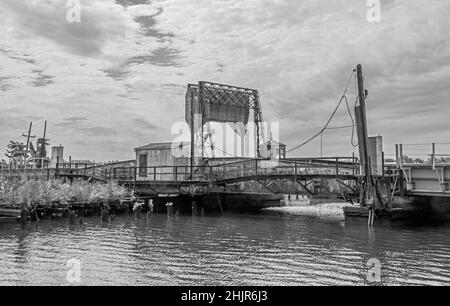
x: 117, y: 79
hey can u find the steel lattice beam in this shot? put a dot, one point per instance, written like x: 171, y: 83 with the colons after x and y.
x: 221, y: 94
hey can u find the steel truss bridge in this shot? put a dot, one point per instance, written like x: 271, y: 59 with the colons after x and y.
x: 302, y: 176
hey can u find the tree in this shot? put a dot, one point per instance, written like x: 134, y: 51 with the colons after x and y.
x: 407, y: 159
x: 41, y: 151
x: 17, y: 152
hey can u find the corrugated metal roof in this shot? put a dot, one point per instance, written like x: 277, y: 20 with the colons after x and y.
x: 163, y: 145
x: 156, y: 146
x: 274, y: 142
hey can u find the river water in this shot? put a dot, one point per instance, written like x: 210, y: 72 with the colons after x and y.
x: 306, y: 245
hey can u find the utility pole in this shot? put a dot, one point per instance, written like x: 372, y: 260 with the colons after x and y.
x: 192, y: 134
x: 45, y: 128
x: 361, y: 122
x: 28, y: 136
x: 41, y: 147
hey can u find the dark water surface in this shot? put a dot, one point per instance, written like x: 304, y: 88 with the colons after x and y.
x: 291, y: 246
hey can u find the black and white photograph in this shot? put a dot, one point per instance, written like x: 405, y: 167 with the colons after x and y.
x: 224, y: 148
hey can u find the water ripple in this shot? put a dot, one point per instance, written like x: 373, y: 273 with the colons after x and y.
x: 295, y: 246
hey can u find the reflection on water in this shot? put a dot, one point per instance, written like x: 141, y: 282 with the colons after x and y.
x: 289, y: 246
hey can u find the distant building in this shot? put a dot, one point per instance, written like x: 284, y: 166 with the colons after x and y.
x: 376, y: 154
x: 57, y: 156
x: 273, y: 150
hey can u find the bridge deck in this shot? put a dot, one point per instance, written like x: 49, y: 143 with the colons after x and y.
x: 178, y: 178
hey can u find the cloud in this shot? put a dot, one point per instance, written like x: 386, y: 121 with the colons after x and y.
x: 126, y: 66
x: 159, y: 57
x: 42, y: 79
x: 101, y: 21
x: 71, y: 122
x: 144, y: 124
x: 97, y: 131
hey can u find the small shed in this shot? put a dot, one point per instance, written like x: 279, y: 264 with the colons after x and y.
x: 159, y: 161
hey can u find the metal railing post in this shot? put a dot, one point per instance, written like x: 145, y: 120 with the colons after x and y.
x: 353, y: 164
x: 401, y: 154
x: 433, y: 155
x: 397, y: 159
x: 337, y: 166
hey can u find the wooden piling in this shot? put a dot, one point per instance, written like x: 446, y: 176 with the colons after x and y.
x: 24, y: 213
x: 105, y: 215
x: 150, y: 206
x: 194, y: 208
x: 169, y: 209
x: 72, y: 217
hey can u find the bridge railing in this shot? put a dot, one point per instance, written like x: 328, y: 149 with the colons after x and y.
x: 336, y: 166
x: 295, y: 167
x: 156, y: 173
x: 422, y: 153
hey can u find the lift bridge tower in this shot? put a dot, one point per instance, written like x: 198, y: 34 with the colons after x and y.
x: 212, y: 102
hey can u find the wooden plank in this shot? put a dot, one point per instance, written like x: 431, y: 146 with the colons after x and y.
x: 9, y: 212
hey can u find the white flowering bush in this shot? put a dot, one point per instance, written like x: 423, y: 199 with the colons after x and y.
x: 8, y: 192
x: 48, y: 192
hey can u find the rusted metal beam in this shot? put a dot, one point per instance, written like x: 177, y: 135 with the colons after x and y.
x: 304, y: 186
